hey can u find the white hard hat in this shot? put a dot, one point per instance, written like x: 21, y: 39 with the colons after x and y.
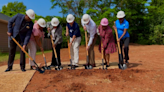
x: 55, y: 22
x: 70, y: 18
x: 30, y: 13
x: 120, y: 14
x: 86, y: 18
x: 41, y: 22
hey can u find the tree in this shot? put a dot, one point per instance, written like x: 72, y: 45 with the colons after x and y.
x: 13, y: 8
x: 156, y: 18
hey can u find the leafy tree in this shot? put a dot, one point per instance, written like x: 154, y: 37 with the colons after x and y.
x: 13, y: 8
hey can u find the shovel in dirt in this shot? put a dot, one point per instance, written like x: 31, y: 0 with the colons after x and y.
x: 69, y: 54
x: 45, y: 67
x: 87, y: 66
x: 37, y: 67
x: 102, y: 55
x: 57, y: 67
x: 121, y: 64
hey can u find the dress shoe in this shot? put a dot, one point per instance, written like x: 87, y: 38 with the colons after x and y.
x: 93, y: 65
x: 7, y: 70
x: 23, y: 70
x: 127, y: 61
x: 107, y: 65
x: 52, y: 66
x: 85, y: 64
x: 76, y: 66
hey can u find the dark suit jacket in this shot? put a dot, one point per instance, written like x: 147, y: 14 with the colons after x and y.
x: 14, y: 27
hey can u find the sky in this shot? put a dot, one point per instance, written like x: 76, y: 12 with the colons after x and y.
x: 41, y: 7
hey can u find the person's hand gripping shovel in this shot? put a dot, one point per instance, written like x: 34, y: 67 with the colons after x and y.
x: 37, y: 67
x: 57, y: 67
x: 121, y: 64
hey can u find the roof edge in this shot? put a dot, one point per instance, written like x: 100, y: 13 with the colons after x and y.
x: 4, y: 21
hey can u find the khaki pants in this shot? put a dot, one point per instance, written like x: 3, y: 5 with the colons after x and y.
x: 32, y: 51
x: 75, y: 50
x: 91, y: 52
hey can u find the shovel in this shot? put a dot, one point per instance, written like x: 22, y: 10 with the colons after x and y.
x: 86, y: 42
x: 102, y: 55
x: 69, y: 54
x: 37, y: 67
x: 57, y: 67
x: 45, y: 67
x: 121, y: 64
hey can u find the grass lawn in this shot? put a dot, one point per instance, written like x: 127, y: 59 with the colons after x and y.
x: 4, y: 56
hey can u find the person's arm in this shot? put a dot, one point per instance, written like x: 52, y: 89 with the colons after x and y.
x: 92, y: 33
x: 59, y: 35
x: 67, y: 31
x: 28, y: 35
x: 10, y: 24
x: 39, y: 42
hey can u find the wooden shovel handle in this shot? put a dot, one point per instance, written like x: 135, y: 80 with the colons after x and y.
x: 68, y: 48
x: 118, y: 43
x: 86, y: 40
x: 102, y: 51
x: 53, y: 46
x: 21, y: 48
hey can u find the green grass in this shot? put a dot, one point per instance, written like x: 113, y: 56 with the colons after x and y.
x: 4, y: 56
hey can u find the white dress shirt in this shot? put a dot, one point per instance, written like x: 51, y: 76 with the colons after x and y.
x: 91, y: 29
x: 52, y: 32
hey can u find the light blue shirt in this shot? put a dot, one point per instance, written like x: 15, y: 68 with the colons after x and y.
x: 121, y: 27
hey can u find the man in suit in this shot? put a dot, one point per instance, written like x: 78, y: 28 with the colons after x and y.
x: 20, y: 27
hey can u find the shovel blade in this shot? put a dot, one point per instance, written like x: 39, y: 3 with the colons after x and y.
x: 120, y: 59
x: 122, y: 66
x: 39, y: 70
x: 88, y: 67
x: 46, y: 68
x: 58, y: 68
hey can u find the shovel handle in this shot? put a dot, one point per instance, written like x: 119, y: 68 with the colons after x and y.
x: 68, y: 48
x: 102, y: 51
x: 86, y: 40
x: 53, y: 46
x: 21, y: 48
x: 118, y: 43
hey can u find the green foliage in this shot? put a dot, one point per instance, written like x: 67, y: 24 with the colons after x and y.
x: 144, y: 16
x: 13, y: 8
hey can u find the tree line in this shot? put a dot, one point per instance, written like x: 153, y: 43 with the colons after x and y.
x: 146, y: 17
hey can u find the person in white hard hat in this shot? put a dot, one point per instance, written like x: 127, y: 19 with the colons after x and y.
x: 36, y: 36
x: 90, y: 26
x: 55, y: 30
x: 72, y: 29
x: 122, y: 25
x: 20, y: 27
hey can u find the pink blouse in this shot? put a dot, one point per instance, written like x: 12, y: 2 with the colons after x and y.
x: 36, y: 32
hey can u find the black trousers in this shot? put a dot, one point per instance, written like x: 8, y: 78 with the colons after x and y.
x: 12, y: 52
x: 54, y: 62
x: 125, y: 42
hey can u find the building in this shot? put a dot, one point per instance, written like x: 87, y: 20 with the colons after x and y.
x: 3, y: 36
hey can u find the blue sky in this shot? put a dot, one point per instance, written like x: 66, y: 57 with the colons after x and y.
x: 41, y: 7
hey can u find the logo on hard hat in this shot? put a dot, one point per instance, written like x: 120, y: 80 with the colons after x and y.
x: 32, y: 15
x: 69, y: 19
x: 43, y: 23
x: 55, y: 22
